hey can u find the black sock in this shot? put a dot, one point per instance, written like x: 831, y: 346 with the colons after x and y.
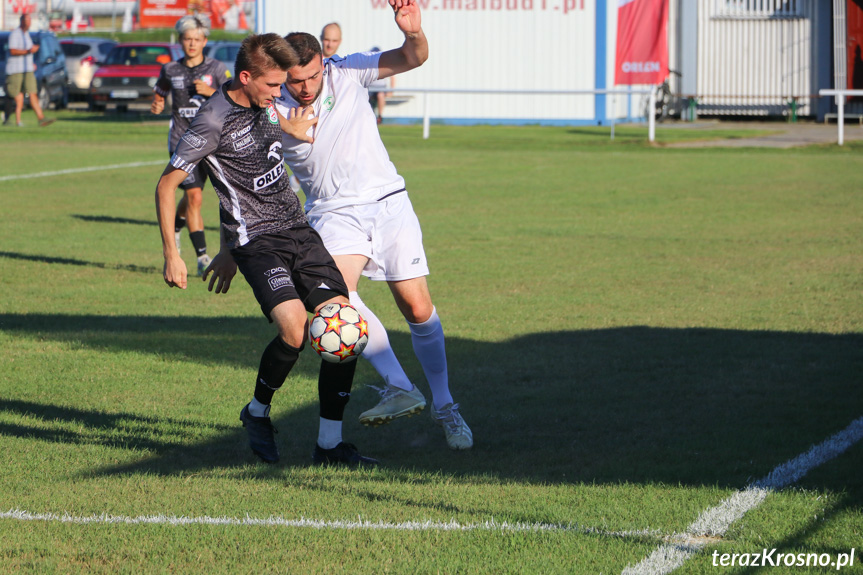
x: 276, y: 363
x: 334, y: 388
x: 179, y: 223
x: 199, y: 242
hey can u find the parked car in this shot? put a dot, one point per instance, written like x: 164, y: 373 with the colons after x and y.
x: 83, y: 56
x: 51, y: 76
x: 224, y: 51
x: 129, y: 73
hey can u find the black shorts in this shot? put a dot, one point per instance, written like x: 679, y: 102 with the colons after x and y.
x: 293, y: 264
x: 196, y: 179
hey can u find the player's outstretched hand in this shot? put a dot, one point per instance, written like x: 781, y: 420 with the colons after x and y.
x: 157, y: 106
x: 175, y: 272
x: 224, y: 269
x: 298, y: 122
x: 407, y: 15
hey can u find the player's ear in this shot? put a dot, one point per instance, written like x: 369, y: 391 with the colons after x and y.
x: 245, y: 77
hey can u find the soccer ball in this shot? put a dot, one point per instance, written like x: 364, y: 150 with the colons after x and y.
x: 338, y: 333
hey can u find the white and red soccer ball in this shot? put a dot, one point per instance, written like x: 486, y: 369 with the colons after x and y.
x: 338, y: 333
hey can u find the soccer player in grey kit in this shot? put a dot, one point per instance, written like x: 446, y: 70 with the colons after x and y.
x: 189, y: 81
x: 264, y: 234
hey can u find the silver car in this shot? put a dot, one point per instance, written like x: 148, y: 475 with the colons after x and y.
x: 83, y: 56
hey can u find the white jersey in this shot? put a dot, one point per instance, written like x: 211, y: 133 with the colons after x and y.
x: 348, y: 163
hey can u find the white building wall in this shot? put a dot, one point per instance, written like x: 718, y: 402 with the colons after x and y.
x: 474, y: 44
x: 754, y: 56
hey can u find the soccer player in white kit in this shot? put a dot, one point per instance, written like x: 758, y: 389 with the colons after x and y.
x: 358, y: 203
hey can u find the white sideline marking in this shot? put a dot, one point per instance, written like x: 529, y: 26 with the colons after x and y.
x: 714, y: 522
x: 318, y: 524
x: 81, y: 170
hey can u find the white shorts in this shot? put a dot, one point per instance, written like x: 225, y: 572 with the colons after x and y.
x: 387, y: 232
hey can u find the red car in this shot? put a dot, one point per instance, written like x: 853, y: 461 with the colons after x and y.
x: 129, y: 73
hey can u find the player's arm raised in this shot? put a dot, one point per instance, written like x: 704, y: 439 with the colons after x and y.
x: 174, y: 272
x: 415, y: 51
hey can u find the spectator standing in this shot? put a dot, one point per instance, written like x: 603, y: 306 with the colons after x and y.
x: 20, y: 73
x: 378, y: 96
x: 331, y: 39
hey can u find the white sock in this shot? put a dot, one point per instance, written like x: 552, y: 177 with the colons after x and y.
x: 378, y: 351
x: 430, y: 349
x: 258, y: 409
x: 329, y: 433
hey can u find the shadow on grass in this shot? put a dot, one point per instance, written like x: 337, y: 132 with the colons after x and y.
x: 111, y: 116
x: 115, y: 220
x: 84, y: 263
x: 633, y: 404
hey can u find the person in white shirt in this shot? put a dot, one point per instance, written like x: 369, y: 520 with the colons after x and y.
x: 357, y: 202
x: 20, y: 72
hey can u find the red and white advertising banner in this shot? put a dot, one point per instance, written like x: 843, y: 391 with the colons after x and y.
x: 161, y: 13
x: 227, y: 14
x: 642, y: 42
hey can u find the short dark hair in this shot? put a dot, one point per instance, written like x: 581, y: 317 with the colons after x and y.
x: 306, y: 46
x: 262, y: 52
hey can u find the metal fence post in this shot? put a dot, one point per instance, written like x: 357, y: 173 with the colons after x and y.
x: 651, y: 115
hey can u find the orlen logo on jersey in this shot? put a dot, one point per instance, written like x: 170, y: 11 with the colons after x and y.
x: 270, y: 177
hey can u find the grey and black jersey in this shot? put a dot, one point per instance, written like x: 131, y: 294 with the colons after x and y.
x: 178, y: 80
x: 242, y: 148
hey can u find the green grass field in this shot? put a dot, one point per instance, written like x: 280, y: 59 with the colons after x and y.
x: 635, y: 334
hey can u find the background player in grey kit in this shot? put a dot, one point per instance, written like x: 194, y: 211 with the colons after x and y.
x: 358, y: 202
x: 189, y: 81
x: 264, y: 234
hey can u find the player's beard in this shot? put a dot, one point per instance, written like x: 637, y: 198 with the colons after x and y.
x: 314, y: 99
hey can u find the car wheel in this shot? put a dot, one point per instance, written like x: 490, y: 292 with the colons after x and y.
x: 96, y: 107
x: 64, y: 100
x: 44, y: 97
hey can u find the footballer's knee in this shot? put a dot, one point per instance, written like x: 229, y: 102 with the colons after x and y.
x: 417, y: 312
x: 194, y: 198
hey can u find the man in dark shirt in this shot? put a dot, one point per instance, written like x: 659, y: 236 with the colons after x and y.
x: 265, y: 234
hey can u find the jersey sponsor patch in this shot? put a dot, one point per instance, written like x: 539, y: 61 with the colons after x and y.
x: 272, y: 116
x: 178, y: 82
x: 243, y: 143
x: 275, y: 152
x: 188, y: 112
x: 195, y: 140
x: 271, y: 177
x: 278, y: 278
x: 207, y: 79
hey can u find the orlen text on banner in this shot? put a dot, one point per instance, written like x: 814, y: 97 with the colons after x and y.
x: 642, y: 42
